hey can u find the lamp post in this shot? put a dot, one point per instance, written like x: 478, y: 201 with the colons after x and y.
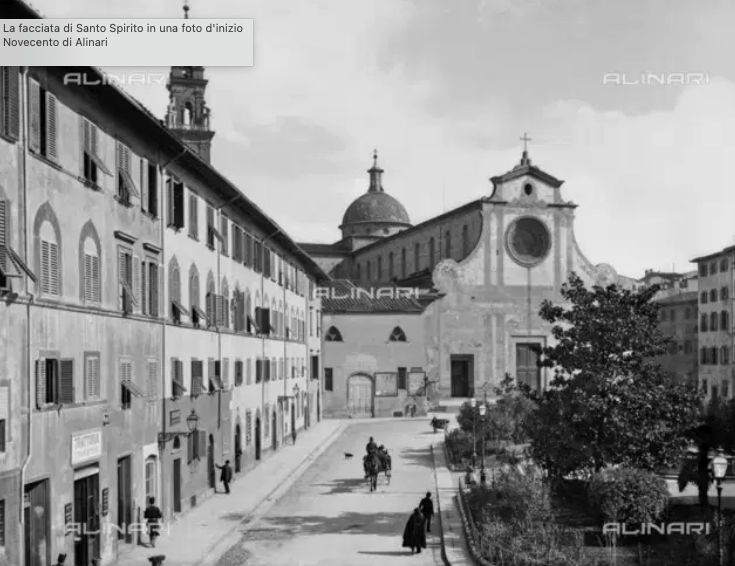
x: 473, y: 404
x: 483, y: 410
x: 192, y: 421
x: 719, y: 469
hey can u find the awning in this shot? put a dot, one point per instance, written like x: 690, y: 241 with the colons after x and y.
x: 252, y: 323
x: 134, y: 389
x: 99, y: 163
x: 11, y: 265
x: 200, y: 313
x: 215, y: 382
x: 128, y: 183
x: 179, y: 384
x: 181, y: 308
x: 129, y: 291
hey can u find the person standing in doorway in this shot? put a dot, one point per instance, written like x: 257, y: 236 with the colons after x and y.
x: 226, y: 475
x: 427, y: 509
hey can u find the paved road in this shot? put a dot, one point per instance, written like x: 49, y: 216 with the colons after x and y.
x: 330, y: 517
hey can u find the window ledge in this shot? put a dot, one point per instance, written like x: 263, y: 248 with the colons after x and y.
x: 46, y: 160
x: 90, y: 184
x: 127, y: 203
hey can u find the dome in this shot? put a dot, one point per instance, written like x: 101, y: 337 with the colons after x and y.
x: 376, y: 207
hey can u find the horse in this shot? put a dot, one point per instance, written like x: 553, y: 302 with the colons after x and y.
x: 374, y: 465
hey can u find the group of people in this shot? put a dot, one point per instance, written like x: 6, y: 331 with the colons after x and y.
x: 419, y: 523
x: 382, y: 452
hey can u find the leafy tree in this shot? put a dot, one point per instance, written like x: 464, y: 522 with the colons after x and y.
x: 609, y: 404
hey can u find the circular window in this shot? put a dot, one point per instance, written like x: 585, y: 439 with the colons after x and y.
x: 528, y: 189
x: 528, y: 241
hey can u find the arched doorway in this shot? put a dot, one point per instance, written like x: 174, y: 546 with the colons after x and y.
x: 274, y: 430
x: 257, y: 438
x: 211, y: 474
x: 238, y: 449
x: 360, y: 395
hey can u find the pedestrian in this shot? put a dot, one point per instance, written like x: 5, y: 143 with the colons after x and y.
x: 61, y: 560
x: 427, y: 509
x: 226, y: 475
x: 153, y: 517
x: 414, y: 535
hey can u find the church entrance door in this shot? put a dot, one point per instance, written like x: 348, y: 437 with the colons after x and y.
x: 462, y: 373
x: 360, y: 396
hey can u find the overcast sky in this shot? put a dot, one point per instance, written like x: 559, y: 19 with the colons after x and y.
x: 445, y: 88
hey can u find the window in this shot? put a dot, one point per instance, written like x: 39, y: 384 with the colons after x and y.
x: 151, y: 374
x: 197, y: 445
x: 224, y: 301
x: 49, y: 254
x: 248, y: 427
x: 465, y: 241
x: 404, y: 264
x: 4, y: 414
x: 238, y: 373
x: 177, y: 378
x: 702, y: 270
x: 150, y: 290
x: 713, y: 354
x: 416, y: 257
x: 713, y: 268
x: 126, y: 188
x: 723, y: 265
x: 175, y: 196
x: 257, y: 253
x: 125, y: 277
x: 215, y: 375
x: 266, y: 261
x: 9, y: 109
x: 249, y: 372
x: 724, y: 320
x: 703, y: 356
x: 712, y: 295
x: 258, y: 370
x: 224, y: 229
x: 397, y: 335
x: 43, y: 123
x: 247, y: 252
x: 431, y: 252
x: 54, y: 382
x: 91, y: 272
x: 197, y: 377
x: 402, y: 381
x: 527, y: 369
x: 391, y: 272
x: 91, y: 376
x: 236, y: 243
x: 149, y: 188
x: 724, y: 355
x: 723, y: 293
x: 151, y: 477
x: 328, y: 379
x: 333, y: 335
x: 713, y: 321
x: 193, y: 216
x: 11, y: 266
x: 128, y: 389
x: 703, y: 323
x: 703, y: 297
x: 212, y: 232
x: 92, y: 164
x: 448, y: 244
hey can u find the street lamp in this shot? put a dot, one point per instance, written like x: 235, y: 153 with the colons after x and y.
x: 483, y: 476
x: 192, y: 421
x: 719, y: 469
x: 473, y: 404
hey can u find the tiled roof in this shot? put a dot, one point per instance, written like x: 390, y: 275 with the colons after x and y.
x: 679, y: 298
x: 345, y: 297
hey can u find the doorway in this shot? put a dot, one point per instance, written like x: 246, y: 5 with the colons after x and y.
x: 177, y: 485
x: 360, y: 396
x: 124, y: 499
x: 257, y: 438
x: 462, y: 372
x: 527, y: 366
x: 36, y: 524
x: 86, y: 515
x: 211, y: 473
x: 274, y: 430
x: 238, y: 449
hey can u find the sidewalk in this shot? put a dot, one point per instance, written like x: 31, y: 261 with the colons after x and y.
x: 453, y: 538
x: 195, y: 535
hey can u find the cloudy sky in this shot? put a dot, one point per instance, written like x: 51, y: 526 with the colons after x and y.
x: 444, y: 89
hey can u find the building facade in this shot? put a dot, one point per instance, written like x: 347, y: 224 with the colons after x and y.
x: 716, y: 338
x: 486, y: 266
x: 679, y: 322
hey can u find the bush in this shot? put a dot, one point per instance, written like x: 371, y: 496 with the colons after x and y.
x: 459, y: 445
x: 628, y: 495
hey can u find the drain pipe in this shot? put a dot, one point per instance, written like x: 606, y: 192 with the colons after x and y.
x: 262, y: 301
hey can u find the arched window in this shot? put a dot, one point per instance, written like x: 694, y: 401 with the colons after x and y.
x: 465, y: 241
x: 404, y: 264
x: 91, y: 272
x: 379, y: 274
x: 713, y: 321
x: 226, y: 303
x: 188, y: 114
x: 448, y: 244
x: 703, y: 323
x: 333, y: 335
x: 49, y: 254
x: 391, y: 273
x: 194, y: 294
x: 431, y: 252
x: 724, y: 320
x: 416, y: 257
x: 397, y: 335
x: 174, y: 287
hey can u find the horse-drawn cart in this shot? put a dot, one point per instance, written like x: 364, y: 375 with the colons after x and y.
x: 374, y: 465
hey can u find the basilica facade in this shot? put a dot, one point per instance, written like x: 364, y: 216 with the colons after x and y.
x: 483, y: 269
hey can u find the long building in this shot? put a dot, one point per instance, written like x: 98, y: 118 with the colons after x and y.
x: 140, y: 288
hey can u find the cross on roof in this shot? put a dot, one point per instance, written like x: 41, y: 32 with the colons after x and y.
x: 525, y: 139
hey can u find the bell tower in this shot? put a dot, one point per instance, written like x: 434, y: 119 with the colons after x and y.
x: 188, y: 113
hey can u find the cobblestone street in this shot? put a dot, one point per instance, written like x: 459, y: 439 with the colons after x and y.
x: 330, y: 518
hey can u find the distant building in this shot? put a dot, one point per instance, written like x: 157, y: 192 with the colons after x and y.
x: 679, y: 322
x: 716, y: 338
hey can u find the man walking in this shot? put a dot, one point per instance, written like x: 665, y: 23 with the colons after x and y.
x: 153, y: 518
x: 427, y: 509
x: 226, y: 475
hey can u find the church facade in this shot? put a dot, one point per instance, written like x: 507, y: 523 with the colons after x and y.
x: 483, y: 270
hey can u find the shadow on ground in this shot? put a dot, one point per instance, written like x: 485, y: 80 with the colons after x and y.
x: 349, y: 485
x: 382, y: 524
x: 417, y: 457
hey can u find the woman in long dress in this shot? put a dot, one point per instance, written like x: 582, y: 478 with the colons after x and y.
x: 414, y: 535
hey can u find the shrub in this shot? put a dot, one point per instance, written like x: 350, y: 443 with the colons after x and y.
x: 459, y: 445
x: 523, y: 497
x: 628, y: 495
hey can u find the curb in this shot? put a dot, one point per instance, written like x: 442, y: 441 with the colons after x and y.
x: 218, y: 549
x: 439, y: 509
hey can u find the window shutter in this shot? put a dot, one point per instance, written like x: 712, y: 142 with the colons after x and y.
x: 170, y: 203
x: 212, y: 372
x: 157, y: 298
x: 45, y: 268
x: 93, y: 377
x: 144, y: 185
x: 94, y: 147
x: 144, y: 288
x: 40, y: 383
x: 136, y: 280
x: 220, y: 310
x: 53, y: 269
x: 152, y: 379
x: 66, y: 386
x: 11, y: 114
x: 226, y: 373
x: 51, y: 127
x: 88, y: 282
x: 202, y: 444
x: 34, y: 107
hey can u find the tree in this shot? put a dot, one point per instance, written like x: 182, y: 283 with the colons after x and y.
x: 609, y: 403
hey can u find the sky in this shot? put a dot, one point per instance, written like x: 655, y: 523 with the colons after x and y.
x: 445, y: 89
